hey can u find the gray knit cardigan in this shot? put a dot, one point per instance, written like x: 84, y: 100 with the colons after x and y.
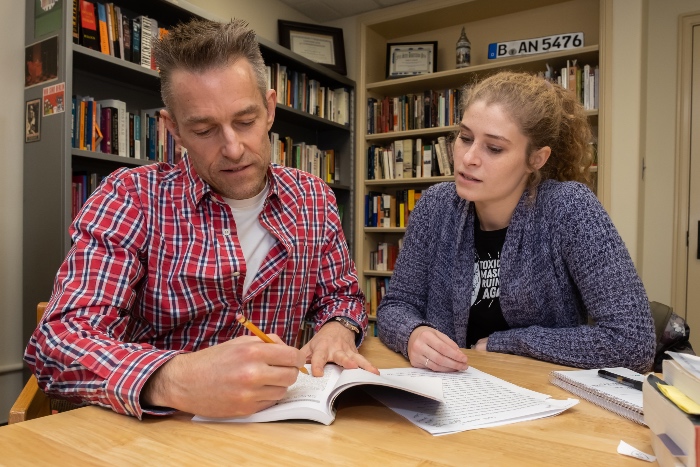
x: 562, y: 263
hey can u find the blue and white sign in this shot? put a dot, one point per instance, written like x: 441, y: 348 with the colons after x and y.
x: 537, y: 45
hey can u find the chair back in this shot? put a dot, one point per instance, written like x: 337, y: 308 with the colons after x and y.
x: 32, y: 402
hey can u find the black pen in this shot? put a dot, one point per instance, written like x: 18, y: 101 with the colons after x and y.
x: 633, y: 383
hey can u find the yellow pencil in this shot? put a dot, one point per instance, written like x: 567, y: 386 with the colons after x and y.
x: 264, y: 337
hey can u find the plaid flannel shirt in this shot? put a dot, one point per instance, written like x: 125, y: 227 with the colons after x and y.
x: 156, y: 269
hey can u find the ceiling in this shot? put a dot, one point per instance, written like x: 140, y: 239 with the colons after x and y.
x: 323, y: 11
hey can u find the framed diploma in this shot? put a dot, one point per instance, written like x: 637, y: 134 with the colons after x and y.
x: 320, y: 44
x: 410, y: 59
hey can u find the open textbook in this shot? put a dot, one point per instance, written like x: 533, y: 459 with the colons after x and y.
x: 440, y: 403
x: 311, y: 398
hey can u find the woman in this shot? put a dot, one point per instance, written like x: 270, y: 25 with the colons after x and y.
x: 517, y: 255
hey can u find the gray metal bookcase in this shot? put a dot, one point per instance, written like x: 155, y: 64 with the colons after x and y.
x: 49, y: 163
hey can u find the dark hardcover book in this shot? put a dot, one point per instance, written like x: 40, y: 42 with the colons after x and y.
x: 371, y: 101
x: 89, y: 128
x: 427, y: 123
x: 151, y: 140
x: 106, y: 127
x: 115, y: 131
x: 435, y: 166
x: 126, y: 33
x: 136, y: 40
x: 89, y: 37
x: 131, y: 136
x: 434, y: 109
x: 367, y: 210
x: 76, y: 21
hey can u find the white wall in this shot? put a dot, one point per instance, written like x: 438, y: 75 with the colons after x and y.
x: 11, y: 150
x: 660, y: 143
x: 261, y: 15
x: 625, y: 132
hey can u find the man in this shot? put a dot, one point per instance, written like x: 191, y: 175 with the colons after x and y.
x: 142, y: 317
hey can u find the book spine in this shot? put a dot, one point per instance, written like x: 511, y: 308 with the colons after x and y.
x: 115, y: 131
x: 136, y: 40
x: 76, y: 21
x: 132, y: 154
x: 126, y: 37
x: 146, y: 38
x: 88, y: 25
x: 104, y: 34
x: 106, y: 125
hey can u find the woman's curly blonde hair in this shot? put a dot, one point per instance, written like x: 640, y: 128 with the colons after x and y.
x: 548, y: 115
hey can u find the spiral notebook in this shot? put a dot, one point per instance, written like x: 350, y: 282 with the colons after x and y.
x: 610, y: 395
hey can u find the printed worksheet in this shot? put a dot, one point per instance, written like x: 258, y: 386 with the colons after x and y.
x: 473, y: 399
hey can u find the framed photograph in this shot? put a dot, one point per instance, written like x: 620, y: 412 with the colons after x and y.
x: 410, y: 59
x: 41, y: 62
x: 32, y: 121
x: 320, y: 44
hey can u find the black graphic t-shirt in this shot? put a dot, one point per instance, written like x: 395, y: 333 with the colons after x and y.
x: 485, y: 315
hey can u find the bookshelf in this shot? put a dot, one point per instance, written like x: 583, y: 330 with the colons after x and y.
x: 51, y: 162
x: 485, y: 22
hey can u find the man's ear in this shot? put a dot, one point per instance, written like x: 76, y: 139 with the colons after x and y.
x: 271, y: 99
x: 539, y: 158
x: 171, y: 126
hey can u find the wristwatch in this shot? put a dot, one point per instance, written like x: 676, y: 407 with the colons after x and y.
x: 347, y: 323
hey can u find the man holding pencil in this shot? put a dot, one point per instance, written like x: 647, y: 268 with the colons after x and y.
x: 168, y: 261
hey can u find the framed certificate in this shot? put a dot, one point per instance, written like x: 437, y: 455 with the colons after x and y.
x: 320, y: 44
x: 410, y: 59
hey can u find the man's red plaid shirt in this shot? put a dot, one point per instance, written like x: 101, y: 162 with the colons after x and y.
x: 156, y: 269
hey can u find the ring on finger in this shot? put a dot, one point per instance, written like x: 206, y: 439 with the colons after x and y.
x: 426, y: 362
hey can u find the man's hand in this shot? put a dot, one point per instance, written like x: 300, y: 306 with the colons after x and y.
x: 429, y: 348
x: 335, y: 343
x: 236, y: 378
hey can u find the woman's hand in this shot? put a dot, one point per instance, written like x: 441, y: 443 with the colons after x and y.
x: 481, y: 344
x: 429, y: 348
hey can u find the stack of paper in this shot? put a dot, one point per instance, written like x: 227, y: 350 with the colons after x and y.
x: 473, y: 399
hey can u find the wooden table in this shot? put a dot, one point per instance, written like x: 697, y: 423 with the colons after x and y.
x: 364, y: 433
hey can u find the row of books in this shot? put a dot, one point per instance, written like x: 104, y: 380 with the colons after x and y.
x: 106, y: 126
x: 375, y: 289
x: 116, y: 31
x: 438, y: 108
x: 372, y: 329
x: 303, y: 156
x: 672, y: 411
x: 305, y: 333
x: 296, y: 90
x: 384, y: 257
x: 410, y: 158
x: 83, y: 184
x: 430, y: 109
x: 584, y: 81
x: 386, y: 210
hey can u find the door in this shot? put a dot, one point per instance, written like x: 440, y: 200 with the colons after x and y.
x: 693, y: 284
